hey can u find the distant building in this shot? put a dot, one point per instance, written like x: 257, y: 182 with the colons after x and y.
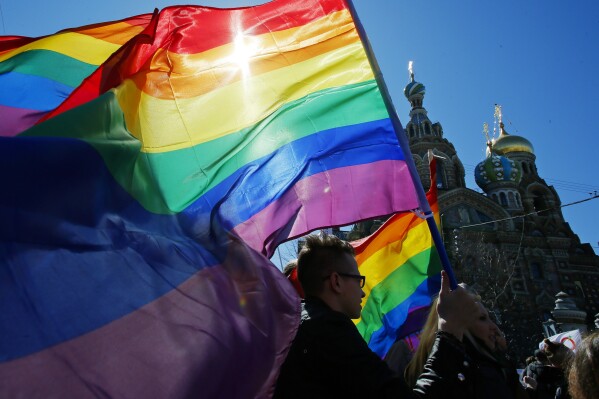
x: 517, y: 250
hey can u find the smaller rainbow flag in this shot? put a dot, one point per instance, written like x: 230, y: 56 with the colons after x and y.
x: 402, y: 269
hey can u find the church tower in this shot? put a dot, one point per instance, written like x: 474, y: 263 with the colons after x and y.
x: 499, y: 176
x: 537, y: 197
x: 423, y: 135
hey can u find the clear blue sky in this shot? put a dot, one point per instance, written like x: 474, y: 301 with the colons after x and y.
x: 539, y: 59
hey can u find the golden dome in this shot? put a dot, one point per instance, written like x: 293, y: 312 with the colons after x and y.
x: 506, y: 143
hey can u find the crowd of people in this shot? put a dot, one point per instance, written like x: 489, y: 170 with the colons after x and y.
x: 462, y: 352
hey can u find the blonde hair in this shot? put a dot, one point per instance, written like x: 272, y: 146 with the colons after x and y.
x: 427, y: 338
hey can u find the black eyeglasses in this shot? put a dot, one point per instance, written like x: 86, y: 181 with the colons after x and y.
x: 356, y: 276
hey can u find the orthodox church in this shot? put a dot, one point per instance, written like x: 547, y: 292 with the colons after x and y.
x: 511, y: 242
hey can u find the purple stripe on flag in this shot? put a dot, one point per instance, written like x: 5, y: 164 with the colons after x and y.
x: 351, y: 190
x: 16, y: 120
x: 414, y: 322
x: 216, y: 335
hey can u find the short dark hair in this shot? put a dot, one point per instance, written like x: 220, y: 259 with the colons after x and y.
x: 318, y: 258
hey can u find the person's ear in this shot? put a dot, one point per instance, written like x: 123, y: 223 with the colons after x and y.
x: 335, y: 282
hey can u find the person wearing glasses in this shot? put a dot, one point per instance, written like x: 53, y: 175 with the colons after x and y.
x: 329, y: 358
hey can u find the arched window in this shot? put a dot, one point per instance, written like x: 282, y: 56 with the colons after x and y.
x: 495, y: 198
x: 518, y: 200
x: 536, y: 271
x: 441, y: 178
x: 503, y: 198
x: 524, y: 168
x: 511, y: 200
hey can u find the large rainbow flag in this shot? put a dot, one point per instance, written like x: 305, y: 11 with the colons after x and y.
x: 402, y: 269
x: 135, y: 211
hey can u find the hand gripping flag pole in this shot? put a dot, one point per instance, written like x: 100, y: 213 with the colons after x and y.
x: 401, y: 137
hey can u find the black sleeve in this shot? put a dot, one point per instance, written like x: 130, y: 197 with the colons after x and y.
x: 446, y: 372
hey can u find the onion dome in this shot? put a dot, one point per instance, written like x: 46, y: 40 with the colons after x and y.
x: 413, y: 88
x: 496, y: 168
x: 507, y: 143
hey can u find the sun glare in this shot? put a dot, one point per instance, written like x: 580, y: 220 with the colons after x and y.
x: 244, y: 49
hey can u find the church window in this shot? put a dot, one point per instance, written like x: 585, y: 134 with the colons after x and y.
x: 536, y: 271
x: 441, y: 178
x: 512, y: 200
x: 495, y: 198
x: 503, y: 198
x: 524, y: 168
x: 427, y: 128
x: 518, y: 200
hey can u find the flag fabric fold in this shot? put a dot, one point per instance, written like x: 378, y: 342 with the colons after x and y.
x: 402, y: 269
x: 140, y: 207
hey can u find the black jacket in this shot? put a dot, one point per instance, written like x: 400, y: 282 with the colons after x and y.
x: 491, y: 377
x: 330, y: 359
x: 548, y: 378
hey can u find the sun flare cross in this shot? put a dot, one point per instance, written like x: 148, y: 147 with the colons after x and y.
x: 244, y: 48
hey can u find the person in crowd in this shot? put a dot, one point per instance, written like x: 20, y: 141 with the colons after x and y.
x: 399, y: 355
x: 559, y: 357
x: 290, y: 267
x: 329, y: 358
x: 488, y: 376
x: 495, y: 376
x: 290, y: 271
x: 543, y: 377
x: 583, y: 374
